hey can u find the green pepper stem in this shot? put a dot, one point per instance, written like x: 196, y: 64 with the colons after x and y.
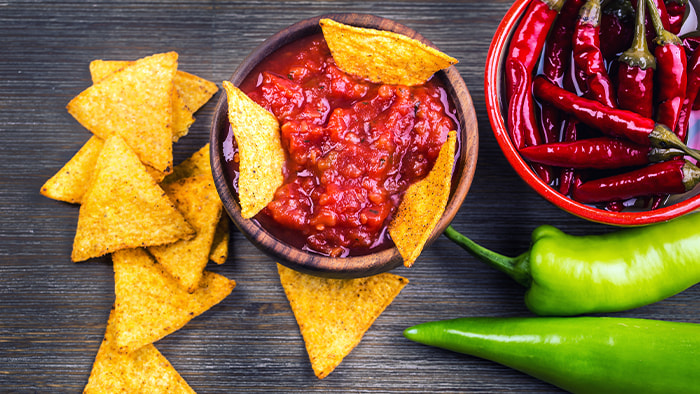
x: 517, y: 268
x: 663, y: 36
x: 662, y: 137
x: 638, y: 55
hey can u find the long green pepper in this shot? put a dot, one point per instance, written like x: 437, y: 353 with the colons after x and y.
x: 571, y: 275
x: 580, y: 354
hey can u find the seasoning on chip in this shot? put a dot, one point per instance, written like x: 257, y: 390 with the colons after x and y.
x: 124, y: 207
x: 334, y: 314
x: 382, y: 56
x: 189, y: 94
x: 151, y: 304
x: 71, y: 181
x: 199, y: 164
x: 261, y: 155
x: 423, y: 204
x: 135, y: 103
x: 195, y: 91
x: 196, y: 198
x: 143, y: 370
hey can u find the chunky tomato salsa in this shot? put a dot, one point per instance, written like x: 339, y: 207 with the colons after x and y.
x: 353, y: 147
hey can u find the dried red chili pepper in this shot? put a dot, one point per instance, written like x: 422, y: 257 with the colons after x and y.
x: 567, y: 174
x: 635, y: 76
x: 676, y: 14
x: 589, y: 58
x: 691, y: 41
x: 611, y: 121
x: 524, y: 51
x: 671, y: 78
x: 557, y: 55
x: 616, y: 27
x: 597, y: 153
x: 691, y: 96
x: 669, y: 177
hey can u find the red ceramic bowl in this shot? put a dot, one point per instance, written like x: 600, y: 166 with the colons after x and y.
x: 494, y: 87
x: 354, y: 266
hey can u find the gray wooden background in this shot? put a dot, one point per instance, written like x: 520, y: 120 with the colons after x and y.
x: 53, y: 312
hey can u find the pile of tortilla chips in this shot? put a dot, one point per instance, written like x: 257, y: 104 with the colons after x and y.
x: 334, y: 314
x: 161, y: 224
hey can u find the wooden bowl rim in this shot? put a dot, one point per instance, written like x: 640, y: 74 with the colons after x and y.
x: 354, y: 266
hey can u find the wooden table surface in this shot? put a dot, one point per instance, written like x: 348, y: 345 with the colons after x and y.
x: 53, y: 312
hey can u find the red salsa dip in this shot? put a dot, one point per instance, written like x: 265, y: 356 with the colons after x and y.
x: 353, y: 148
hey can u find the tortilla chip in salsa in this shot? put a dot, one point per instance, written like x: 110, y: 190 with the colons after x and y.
x: 382, y: 56
x: 423, y: 204
x: 262, y: 157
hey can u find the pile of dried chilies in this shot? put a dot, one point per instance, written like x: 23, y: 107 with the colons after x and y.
x: 606, y: 119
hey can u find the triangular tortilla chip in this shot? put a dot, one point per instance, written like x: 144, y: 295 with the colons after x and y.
x: 124, y: 207
x: 262, y: 158
x: 135, y: 103
x: 182, y: 115
x: 334, y: 314
x: 423, y: 204
x: 144, y: 370
x: 219, y: 248
x: 195, y: 91
x: 382, y: 56
x: 70, y: 182
x: 196, y: 198
x: 199, y: 164
x: 151, y: 304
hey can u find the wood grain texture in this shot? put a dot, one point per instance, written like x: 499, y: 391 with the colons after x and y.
x: 53, y: 312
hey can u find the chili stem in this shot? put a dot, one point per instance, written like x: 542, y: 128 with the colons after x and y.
x: 516, y: 267
x: 663, y: 137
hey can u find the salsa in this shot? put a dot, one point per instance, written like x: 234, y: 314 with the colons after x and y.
x: 353, y: 147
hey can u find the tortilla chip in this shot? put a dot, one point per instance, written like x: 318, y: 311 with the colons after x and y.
x: 219, y: 248
x: 71, y: 181
x: 151, y: 304
x: 135, y: 103
x: 182, y: 115
x: 262, y: 158
x: 145, y: 370
x: 196, y: 198
x: 124, y: 207
x: 334, y: 314
x: 197, y: 164
x: 423, y: 205
x: 195, y: 91
x: 382, y: 56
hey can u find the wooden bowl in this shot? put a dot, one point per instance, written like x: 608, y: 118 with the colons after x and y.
x: 355, y: 266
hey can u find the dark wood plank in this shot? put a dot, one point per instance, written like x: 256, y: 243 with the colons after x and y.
x: 53, y: 312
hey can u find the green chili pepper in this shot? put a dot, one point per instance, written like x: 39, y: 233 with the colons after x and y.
x: 579, y: 354
x: 571, y: 275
